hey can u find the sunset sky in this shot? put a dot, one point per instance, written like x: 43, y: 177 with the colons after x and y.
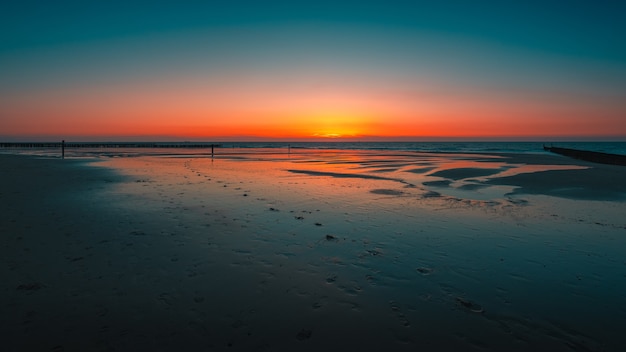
x: 296, y: 70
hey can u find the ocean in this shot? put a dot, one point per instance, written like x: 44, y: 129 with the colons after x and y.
x: 110, y: 149
x: 444, y: 147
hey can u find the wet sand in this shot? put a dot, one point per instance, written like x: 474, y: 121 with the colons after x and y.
x: 312, y: 251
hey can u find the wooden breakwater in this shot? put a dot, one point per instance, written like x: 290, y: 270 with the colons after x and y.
x: 102, y: 145
x: 190, y: 145
x: 595, y: 157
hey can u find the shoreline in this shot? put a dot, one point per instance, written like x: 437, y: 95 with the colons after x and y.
x: 240, y: 254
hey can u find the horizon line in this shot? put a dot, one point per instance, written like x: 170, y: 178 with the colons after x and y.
x: 157, y: 140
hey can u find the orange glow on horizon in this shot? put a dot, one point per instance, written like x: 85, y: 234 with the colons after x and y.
x: 201, y: 112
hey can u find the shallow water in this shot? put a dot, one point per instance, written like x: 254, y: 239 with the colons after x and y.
x: 327, y: 250
x: 356, y: 248
x: 232, y: 148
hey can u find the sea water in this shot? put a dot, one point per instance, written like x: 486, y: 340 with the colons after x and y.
x: 618, y: 147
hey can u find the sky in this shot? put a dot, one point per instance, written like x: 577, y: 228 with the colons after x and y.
x: 312, y: 70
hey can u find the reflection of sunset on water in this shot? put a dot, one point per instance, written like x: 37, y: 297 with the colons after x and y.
x: 329, y: 173
x: 315, y: 234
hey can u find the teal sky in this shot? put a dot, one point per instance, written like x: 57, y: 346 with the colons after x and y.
x: 579, y: 28
x: 525, y: 52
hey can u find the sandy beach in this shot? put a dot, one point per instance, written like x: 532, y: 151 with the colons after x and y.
x: 312, y: 250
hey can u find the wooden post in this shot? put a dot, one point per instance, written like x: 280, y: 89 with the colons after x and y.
x: 63, y: 149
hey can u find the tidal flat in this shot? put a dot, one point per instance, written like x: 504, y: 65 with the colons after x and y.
x: 312, y: 250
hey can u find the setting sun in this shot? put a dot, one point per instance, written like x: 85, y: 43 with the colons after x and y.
x: 241, y: 79
x: 337, y: 125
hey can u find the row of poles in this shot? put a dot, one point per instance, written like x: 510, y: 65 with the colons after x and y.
x: 212, y: 149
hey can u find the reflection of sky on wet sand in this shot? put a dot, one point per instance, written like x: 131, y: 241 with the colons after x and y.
x: 455, y: 263
x: 457, y: 175
x: 424, y: 176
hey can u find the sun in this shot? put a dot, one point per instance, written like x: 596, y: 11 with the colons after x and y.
x: 337, y: 125
x: 330, y: 135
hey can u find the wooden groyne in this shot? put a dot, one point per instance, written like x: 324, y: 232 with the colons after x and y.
x: 102, y: 145
x: 110, y: 145
x: 595, y: 157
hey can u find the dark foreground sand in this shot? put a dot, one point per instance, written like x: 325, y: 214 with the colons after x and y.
x: 303, y: 254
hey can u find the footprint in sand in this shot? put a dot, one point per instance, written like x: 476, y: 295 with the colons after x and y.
x: 395, y: 307
x: 374, y: 252
x: 387, y: 192
x: 304, y: 334
x: 33, y: 286
x: 469, y: 305
x: 431, y: 194
x: 424, y: 271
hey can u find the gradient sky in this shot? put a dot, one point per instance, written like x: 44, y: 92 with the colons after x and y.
x: 240, y: 70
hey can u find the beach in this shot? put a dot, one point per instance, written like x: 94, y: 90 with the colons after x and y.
x: 312, y: 250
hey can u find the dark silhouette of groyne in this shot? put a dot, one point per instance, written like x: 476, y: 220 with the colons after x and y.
x: 586, y: 155
x: 108, y: 145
